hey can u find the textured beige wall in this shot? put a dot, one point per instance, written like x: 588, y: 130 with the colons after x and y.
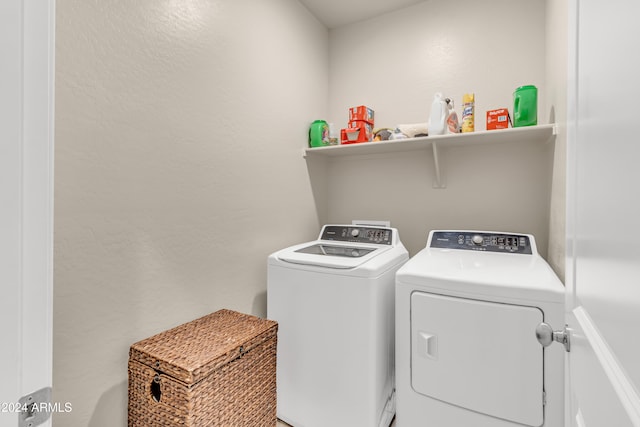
x: 395, y: 64
x: 179, y: 134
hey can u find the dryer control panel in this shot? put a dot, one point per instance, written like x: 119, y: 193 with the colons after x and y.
x: 482, y: 241
x: 357, y: 234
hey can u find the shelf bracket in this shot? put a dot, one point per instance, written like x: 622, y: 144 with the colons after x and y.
x: 438, y: 181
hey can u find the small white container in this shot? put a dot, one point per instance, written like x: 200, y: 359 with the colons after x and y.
x: 438, y: 117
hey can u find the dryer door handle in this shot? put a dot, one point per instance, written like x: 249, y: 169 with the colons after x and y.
x: 427, y: 345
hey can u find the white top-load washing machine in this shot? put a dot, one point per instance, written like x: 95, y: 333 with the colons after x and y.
x: 333, y: 299
x: 467, y: 308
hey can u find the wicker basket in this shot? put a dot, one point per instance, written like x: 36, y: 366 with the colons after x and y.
x: 219, y: 370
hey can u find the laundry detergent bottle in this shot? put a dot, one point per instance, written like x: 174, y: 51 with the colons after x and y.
x: 525, y: 106
x: 319, y: 134
x: 438, y: 117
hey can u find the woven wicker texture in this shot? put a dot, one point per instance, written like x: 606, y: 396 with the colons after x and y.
x: 219, y: 370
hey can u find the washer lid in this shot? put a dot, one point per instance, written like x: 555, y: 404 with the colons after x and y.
x: 482, y: 274
x: 331, y: 254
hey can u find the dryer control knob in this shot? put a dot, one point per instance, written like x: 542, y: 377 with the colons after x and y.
x: 477, y: 239
x: 355, y: 232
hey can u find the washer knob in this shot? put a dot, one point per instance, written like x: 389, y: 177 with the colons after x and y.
x: 477, y: 239
x: 355, y: 232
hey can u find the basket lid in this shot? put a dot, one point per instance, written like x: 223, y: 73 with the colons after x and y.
x: 191, y: 351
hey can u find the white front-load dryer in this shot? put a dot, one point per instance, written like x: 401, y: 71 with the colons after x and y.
x: 467, y: 309
x: 333, y: 299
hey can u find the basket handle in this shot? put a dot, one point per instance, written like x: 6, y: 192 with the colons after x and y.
x: 156, y: 392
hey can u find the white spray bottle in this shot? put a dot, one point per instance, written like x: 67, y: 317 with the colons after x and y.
x: 439, y: 113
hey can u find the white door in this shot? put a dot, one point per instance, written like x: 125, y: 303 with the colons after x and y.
x: 603, y: 214
x: 26, y: 210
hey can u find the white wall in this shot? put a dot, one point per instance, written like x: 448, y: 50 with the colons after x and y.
x: 395, y: 64
x: 556, y: 61
x: 179, y: 133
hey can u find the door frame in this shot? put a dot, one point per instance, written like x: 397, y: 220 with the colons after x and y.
x: 27, y: 29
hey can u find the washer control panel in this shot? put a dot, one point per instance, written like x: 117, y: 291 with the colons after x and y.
x: 357, y: 234
x: 482, y: 241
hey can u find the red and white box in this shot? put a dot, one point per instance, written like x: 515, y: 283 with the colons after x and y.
x: 361, y: 113
x: 354, y: 135
x: 368, y: 127
x: 498, y: 119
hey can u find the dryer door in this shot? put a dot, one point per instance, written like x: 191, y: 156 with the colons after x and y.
x: 478, y: 355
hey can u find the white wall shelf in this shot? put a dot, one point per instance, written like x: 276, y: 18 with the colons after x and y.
x: 540, y: 133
